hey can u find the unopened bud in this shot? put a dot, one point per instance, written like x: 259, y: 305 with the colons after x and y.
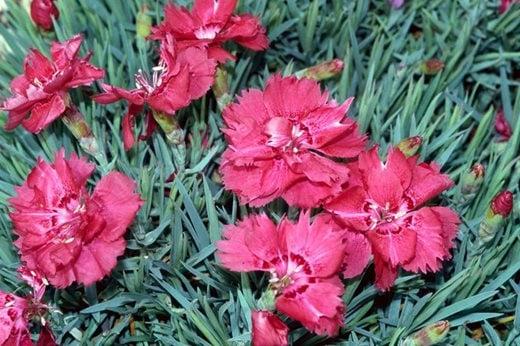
x: 429, y: 335
x: 221, y: 88
x: 498, y: 211
x: 396, y: 3
x: 502, y: 204
x: 143, y: 22
x: 432, y: 66
x: 472, y: 180
x: 75, y: 122
x: 502, y: 126
x: 410, y: 146
x: 325, y: 70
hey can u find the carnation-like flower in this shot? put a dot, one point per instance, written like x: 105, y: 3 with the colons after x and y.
x: 40, y: 94
x: 383, y: 213
x: 181, y: 77
x: 283, y: 141
x: 268, y: 329
x: 64, y: 232
x: 210, y: 24
x: 14, y: 329
x: 16, y: 313
x: 303, y: 259
x: 42, y: 12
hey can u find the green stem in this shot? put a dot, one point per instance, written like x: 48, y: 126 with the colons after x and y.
x: 174, y: 135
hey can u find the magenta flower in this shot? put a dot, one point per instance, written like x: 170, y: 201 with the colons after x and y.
x: 64, y: 232
x: 210, y: 24
x: 383, y: 213
x: 303, y: 260
x: 283, y: 141
x: 181, y: 77
x: 42, y: 90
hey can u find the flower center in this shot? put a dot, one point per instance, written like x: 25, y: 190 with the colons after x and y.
x: 142, y: 81
x: 292, y: 268
x: 207, y: 32
x: 380, y: 215
x: 286, y: 135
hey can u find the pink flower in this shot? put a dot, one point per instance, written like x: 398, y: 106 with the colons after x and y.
x: 268, y: 329
x: 282, y: 142
x: 42, y: 90
x: 303, y: 259
x: 382, y: 211
x: 210, y: 24
x: 16, y: 313
x: 64, y: 232
x: 14, y: 329
x: 42, y: 12
x: 502, y: 126
x: 505, y: 4
x: 181, y: 77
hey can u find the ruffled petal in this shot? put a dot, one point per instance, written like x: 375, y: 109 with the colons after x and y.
x: 44, y: 113
x: 317, y: 306
x: 251, y: 245
x: 117, y: 203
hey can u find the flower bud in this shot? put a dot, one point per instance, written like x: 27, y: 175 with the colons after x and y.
x: 498, y: 211
x: 505, y: 4
x: 472, y: 180
x: 75, y: 122
x: 502, y: 204
x: 432, y: 66
x: 502, y: 126
x: 325, y: 70
x: 268, y: 329
x: 429, y: 335
x: 143, y: 22
x: 396, y: 3
x: 221, y: 88
x: 410, y: 146
x: 42, y: 12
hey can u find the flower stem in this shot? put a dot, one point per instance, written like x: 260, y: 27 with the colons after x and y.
x: 174, y: 134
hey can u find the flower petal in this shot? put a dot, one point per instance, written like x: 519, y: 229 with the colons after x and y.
x: 44, y: 113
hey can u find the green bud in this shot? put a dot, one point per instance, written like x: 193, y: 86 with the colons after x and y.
x: 221, y: 88
x: 429, y: 335
x: 79, y: 128
x: 410, y: 146
x: 143, y: 22
x: 431, y: 66
x: 325, y: 70
x: 471, y: 182
x: 495, y: 217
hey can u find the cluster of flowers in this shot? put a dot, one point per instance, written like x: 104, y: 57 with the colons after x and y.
x: 291, y: 141
x: 66, y: 234
x: 288, y: 141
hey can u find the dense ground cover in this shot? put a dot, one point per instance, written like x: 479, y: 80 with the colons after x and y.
x: 168, y: 288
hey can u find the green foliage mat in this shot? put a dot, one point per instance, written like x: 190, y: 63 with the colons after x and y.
x: 168, y: 288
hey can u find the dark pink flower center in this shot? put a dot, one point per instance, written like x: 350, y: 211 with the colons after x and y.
x: 66, y: 218
x: 289, y: 269
x: 286, y: 135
